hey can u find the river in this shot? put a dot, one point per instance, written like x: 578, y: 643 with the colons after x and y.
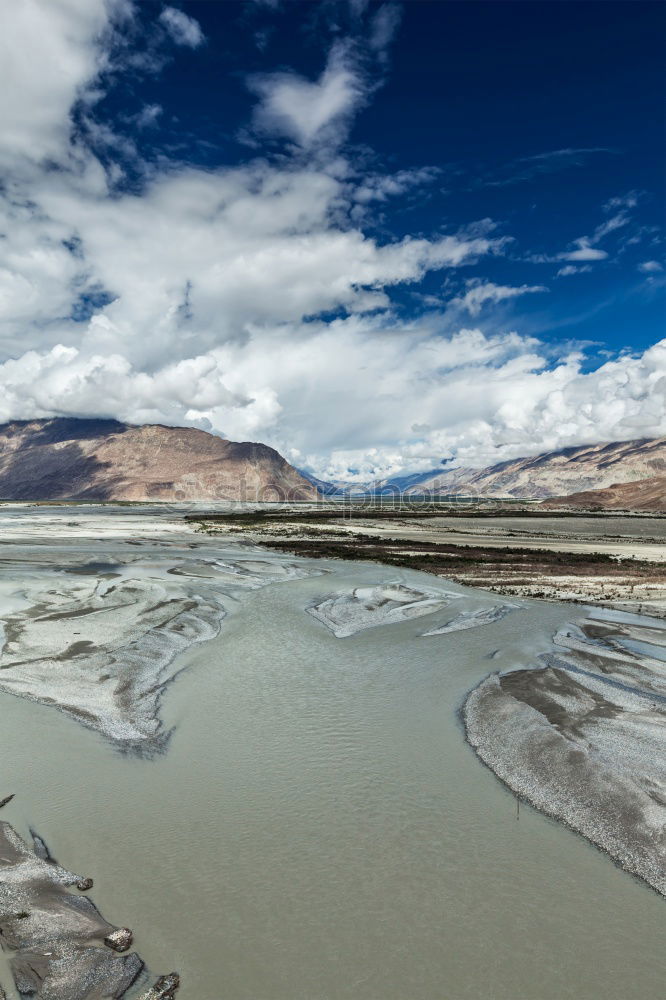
x: 317, y: 827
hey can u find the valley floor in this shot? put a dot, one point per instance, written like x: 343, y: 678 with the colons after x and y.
x: 612, y: 560
x: 218, y: 750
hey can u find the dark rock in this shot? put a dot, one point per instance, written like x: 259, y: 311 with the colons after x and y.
x: 84, y: 884
x: 119, y: 940
x: 164, y: 989
x: 4, y: 802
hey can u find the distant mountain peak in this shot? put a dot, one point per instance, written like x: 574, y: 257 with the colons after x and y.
x: 548, y: 474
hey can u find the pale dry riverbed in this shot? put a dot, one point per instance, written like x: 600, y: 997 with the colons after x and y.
x: 261, y: 761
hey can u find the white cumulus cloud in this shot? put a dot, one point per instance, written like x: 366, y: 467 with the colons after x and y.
x: 302, y: 109
x: 569, y: 269
x: 479, y: 293
x: 184, y: 30
x: 47, y: 54
x: 584, y: 252
x: 250, y: 300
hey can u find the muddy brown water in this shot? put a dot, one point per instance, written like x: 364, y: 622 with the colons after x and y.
x: 318, y: 829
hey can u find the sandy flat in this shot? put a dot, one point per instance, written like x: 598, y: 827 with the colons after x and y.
x: 476, y: 618
x: 371, y: 607
x: 54, y: 936
x: 583, y: 737
x: 94, y: 627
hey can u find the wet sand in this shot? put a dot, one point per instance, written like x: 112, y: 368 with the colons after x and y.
x: 474, y: 619
x: 582, y: 736
x: 60, y: 946
x: 372, y: 607
x: 99, y: 640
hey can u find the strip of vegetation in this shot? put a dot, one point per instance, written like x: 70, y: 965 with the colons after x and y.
x: 412, y: 511
x: 450, y: 559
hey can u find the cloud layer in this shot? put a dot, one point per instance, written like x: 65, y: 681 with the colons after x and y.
x: 249, y: 300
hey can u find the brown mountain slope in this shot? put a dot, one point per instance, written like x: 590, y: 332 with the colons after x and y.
x: 558, y: 473
x: 67, y: 458
x: 645, y: 494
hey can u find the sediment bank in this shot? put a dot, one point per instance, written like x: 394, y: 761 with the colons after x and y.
x: 581, y: 736
x: 60, y: 946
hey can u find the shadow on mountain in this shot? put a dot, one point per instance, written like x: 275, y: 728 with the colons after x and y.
x: 65, y: 429
x: 44, y: 473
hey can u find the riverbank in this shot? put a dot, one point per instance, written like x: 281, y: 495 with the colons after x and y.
x: 58, y: 943
x: 581, y: 735
x: 99, y: 636
x: 617, y: 562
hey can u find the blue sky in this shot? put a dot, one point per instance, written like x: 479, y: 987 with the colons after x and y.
x: 377, y: 236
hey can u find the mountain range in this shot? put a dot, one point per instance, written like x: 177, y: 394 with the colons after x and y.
x: 644, y: 494
x: 67, y: 458
x: 552, y: 474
